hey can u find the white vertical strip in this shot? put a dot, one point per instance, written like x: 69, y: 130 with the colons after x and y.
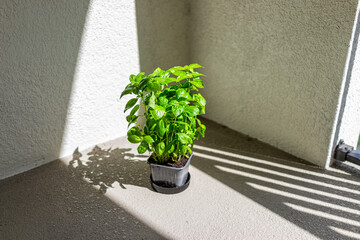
x: 344, y: 87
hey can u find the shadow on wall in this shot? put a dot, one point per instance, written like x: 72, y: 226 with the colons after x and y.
x: 162, y: 28
x: 40, y: 43
x: 326, y: 205
x: 104, y: 167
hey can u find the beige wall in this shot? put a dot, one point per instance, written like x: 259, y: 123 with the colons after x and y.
x: 274, y: 68
x: 163, y: 33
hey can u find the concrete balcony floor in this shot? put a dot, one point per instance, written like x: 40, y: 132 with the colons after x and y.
x: 240, y: 189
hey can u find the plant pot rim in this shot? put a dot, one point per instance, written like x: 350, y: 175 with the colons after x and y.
x: 164, y: 166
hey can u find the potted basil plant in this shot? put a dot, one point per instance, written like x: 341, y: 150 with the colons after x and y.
x: 171, y: 106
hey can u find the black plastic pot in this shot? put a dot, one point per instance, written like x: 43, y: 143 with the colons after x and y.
x: 169, y: 180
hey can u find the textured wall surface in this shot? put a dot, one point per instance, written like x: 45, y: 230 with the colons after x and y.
x: 108, y: 55
x: 63, y: 67
x: 274, y: 68
x: 39, y: 45
x: 163, y: 33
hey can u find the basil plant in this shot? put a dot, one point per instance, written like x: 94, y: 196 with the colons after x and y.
x: 171, y: 106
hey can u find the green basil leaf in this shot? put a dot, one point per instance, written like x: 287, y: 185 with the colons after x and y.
x: 135, y: 109
x: 169, y: 80
x: 134, y: 131
x: 178, y: 73
x: 148, y: 139
x: 180, y: 93
x: 160, y: 148
x: 189, y: 149
x: 163, y: 101
x: 156, y: 72
x: 161, y: 129
x: 152, y: 100
x: 126, y: 92
x: 177, y: 68
x: 158, y: 112
x: 183, y: 138
x: 130, y: 103
x: 192, y: 111
x: 153, y: 127
x: 173, y: 102
x: 139, y: 77
x: 195, y: 75
x: 201, y: 131
x: 197, y: 82
x: 134, y: 138
x: 177, y: 110
x: 164, y: 74
x: 195, y: 65
x: 133, y: 120
x: 154, y: 86
x: 171, y: 148
x: 183, y: 150
x: 143, y: 83
x: 200, y: 99
x: 132, y: 78
x: 142, y: 148
x: 130, y: 118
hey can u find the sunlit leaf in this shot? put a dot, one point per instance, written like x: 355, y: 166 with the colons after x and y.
x: 126, y: 92
x: 163, y: 101
x: 177, y: 110
x: 195, y: 65
x: 158, y: 112
x: 134, y: 138
x: 160, y: 148
x: 142, y: 148
x: 152, y: 100
x: 132, y: 78
x: 180, y: 93
x: 135, y: 109
x: 148, y: 139
x: 161, y: 128
x: 197, y: 82
x: 139, y: 77
x: 130, y: 104
x: 192, y: 110
x: 183, y: 138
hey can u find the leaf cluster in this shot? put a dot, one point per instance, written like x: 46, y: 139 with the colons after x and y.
x: 171, y: 106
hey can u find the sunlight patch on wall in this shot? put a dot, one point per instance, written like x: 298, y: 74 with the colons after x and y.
x: 107, y: 56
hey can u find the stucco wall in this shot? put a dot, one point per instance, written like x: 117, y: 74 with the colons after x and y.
x: 163, y: 33
x: 63, y: 67
x: 274, y: 68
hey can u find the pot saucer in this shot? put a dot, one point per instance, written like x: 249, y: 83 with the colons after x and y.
x: 170, y: 190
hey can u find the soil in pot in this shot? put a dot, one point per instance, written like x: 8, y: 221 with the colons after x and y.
x: 179, y: 164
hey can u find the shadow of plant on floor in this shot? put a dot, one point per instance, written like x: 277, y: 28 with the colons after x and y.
x: 104, y: 167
